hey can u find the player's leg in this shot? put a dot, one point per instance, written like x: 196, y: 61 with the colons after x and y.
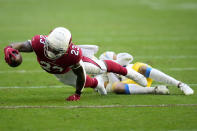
x: 159, y: 76
x: 70, y: 78
x: 96, y: 83
x: 95, y: 66
x: 122, y: 88
x: 112, y: 78
x: 128, y: 72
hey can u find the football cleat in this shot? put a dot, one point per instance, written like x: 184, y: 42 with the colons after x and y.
x: 100, y: 87
x: 185, y: 89
x: 137, y: 77
x: 162, y: 89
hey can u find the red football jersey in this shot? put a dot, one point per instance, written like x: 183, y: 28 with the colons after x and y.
x: 60, y: 65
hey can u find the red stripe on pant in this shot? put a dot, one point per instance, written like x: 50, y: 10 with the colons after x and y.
x: 115, y: 67
x: 86, y: 59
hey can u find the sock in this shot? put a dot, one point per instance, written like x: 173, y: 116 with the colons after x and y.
x: 162, y: 77
x: 115, y: 68
x: 91, y: 82
x: 136, y: 89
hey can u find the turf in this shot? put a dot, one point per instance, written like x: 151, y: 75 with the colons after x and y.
x: 161, y: 33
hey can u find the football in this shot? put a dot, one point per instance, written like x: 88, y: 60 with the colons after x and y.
x: 15, y: 61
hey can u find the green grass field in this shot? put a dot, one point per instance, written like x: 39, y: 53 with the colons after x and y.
x: 162, y: 33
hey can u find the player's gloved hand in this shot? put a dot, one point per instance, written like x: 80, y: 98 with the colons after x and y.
x: 74, y: 97
x: 9, y: 51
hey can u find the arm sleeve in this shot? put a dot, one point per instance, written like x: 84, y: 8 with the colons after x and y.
x: 35, y: 42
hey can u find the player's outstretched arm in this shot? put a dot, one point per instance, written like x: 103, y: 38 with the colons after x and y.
x: 81, y: 78
x: 22, y: 46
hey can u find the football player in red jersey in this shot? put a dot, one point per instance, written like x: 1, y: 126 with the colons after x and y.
x: 57, y: 55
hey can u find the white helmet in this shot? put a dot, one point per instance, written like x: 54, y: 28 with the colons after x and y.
x: 124, y: 59
x: 108, y: 55
x: 57, y: 43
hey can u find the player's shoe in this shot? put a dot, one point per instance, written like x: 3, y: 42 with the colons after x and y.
x: 162, y: 89
x: 100, y: 87
x: 185, y: 89
x: 137, y: 77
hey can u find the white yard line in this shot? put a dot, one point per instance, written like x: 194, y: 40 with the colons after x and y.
x: 53, y: 86
x: 22, y: 71
x: 147, y: 57
x: 98, y: 106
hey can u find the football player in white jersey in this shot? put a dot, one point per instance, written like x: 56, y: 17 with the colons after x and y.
x: 122, y: 85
